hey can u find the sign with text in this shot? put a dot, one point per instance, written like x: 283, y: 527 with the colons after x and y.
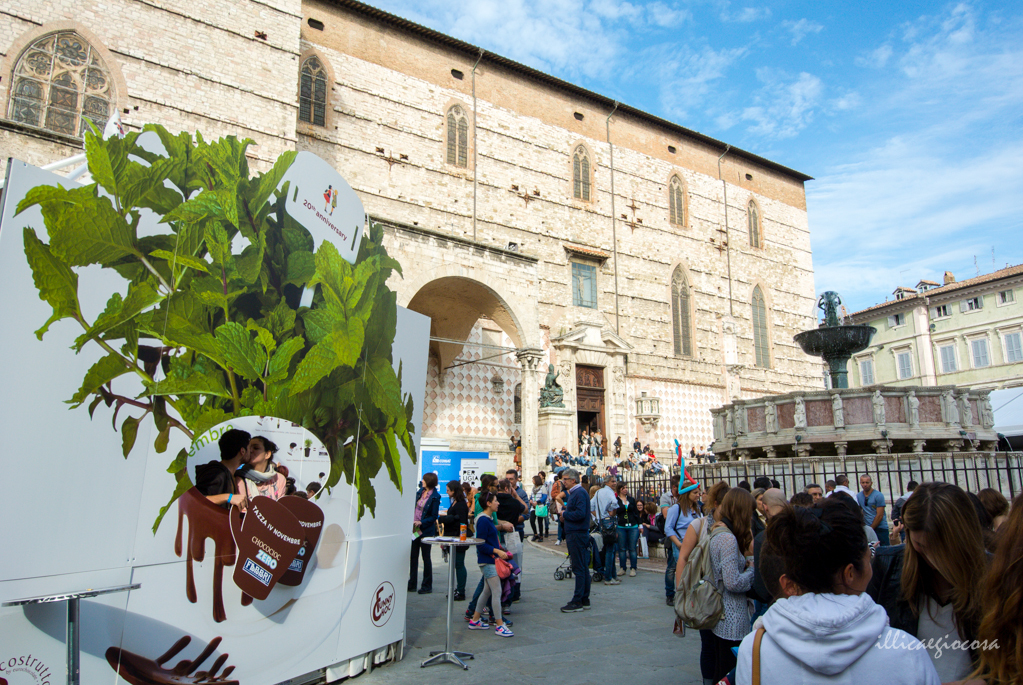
x: 268, y: 540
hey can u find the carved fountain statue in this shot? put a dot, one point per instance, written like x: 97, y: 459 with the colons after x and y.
x: 835, y: 341
x: 844, y: 421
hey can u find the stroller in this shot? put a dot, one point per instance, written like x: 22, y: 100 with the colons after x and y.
x: 564, y: 570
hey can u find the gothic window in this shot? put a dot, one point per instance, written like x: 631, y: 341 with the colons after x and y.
x: 760, y: 341
x: 581, y: 174
x: 677, y: 202
x: 458, y: 137
x: 518, y: 404
x: 312, y: 96
x: 680, y: 314
x: 753, y: 213
x: 60, y: 82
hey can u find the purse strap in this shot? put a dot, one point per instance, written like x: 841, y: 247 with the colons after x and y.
x: 756, y: 655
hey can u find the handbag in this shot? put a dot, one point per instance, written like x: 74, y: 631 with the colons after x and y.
x: 541, y: 511
x: 504, y: 569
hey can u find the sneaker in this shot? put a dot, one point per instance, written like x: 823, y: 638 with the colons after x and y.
x: 609, y: 582
x: 571, y: 608
x: 459, y: 597
x: 505, y: 609
x: 632, y: 573
x: 425, y: 590
x: 478, y: 625
x: 503, y: 631
x: 558, y: 542
x: 586, y: 603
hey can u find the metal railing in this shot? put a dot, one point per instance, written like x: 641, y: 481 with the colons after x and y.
x: 971, y: 471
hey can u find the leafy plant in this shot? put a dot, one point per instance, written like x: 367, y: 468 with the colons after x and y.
x: 215, y: 332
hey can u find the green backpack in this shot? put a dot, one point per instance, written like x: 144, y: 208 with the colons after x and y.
x: 698, y: 601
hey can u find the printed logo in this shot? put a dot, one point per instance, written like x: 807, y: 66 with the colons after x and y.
x: 266, y: 559
x: 383, y: 604
x: 296, y: 565
x: 29, y: 665
x: 257, y: 572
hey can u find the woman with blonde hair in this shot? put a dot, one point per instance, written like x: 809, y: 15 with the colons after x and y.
x: 931, y: 586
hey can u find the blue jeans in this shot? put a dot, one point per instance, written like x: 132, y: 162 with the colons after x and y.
x: 627, y: 540
x: 669, y: 573
x: 579, y: 552
x: 882, y: 536
x: 476, y: 598
x: 561, y: 528
x: 610, y: 552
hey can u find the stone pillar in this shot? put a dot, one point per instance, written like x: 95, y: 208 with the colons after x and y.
x: 840, y: 448
x: 918, y: 445
x: 531, y: 360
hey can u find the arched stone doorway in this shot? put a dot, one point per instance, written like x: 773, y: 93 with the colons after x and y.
x: 484, y: 339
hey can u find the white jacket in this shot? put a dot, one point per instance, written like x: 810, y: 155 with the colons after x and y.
x: 833, y: 639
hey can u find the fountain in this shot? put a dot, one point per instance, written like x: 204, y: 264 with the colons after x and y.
x: 840, y: 421
x: 835, y: 341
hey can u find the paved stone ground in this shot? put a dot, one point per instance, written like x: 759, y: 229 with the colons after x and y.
x: 625, y: 638
x: 655, y: 563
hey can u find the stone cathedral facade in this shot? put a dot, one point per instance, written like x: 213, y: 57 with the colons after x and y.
x: 675, y: 293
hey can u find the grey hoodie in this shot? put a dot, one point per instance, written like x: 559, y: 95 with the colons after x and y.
x: 834, y: 639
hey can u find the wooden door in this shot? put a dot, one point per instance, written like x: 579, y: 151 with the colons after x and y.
x: 589, y: 383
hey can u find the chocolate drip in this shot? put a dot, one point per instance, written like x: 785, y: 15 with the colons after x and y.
x: 205, y: 521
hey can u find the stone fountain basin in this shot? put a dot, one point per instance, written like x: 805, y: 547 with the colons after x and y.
x: 835, y: 341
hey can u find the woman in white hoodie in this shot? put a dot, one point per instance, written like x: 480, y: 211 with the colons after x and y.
x: 825, y: 628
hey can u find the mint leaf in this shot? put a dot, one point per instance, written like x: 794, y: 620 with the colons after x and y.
x: 102, y: 372
x: 57, y: 284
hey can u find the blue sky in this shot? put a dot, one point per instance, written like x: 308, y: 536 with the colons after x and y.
x: 908, y: 114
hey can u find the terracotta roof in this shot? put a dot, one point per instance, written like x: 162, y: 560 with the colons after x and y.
x: 474, y: 52
x: 951, y: 287
x: 586, y: 250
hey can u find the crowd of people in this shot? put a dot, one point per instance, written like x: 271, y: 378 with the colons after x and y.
x: 830, y: 584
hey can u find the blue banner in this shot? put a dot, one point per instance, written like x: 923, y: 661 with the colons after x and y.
x: 448, y: 466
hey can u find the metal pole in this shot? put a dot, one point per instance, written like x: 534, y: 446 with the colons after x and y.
x: 614, y: 230
x: 728, y: 238
x: 475, y: 183
x: 72, y: 641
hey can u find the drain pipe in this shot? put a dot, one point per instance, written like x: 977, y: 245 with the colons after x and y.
x: 475, y: 183
x: 614, y: 230
x: 728, y: 239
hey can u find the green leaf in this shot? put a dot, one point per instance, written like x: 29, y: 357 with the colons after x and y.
x: 181, y: 488
x: 211, y: 383
x: 269, y: 181
x: 263, y: 336
x: 383, y: 388
x: 243, y: 355
x: 102, y: 372
x: 281, y: 360
x: 180, y: 461
x: 101, y: 166
x: 301, y: 267
x: 183, y: 259
x: 209, y: 204
x: 162, y: 439
x: 341, y: 348
x: 208, y: 419
x: 85, y: 229
x: 317, y: 324
x: 280, y: 321
x: 57, y: 284
x: 129, y: 431
x: 140, y: 297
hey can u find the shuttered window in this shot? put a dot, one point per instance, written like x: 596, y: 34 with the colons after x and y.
x: 948, y: 358
x: 867, y: 372
x: 905, y: 363
x: 680, y: 313
x: 980, y: 353
x: 761, y: 349
x: 1013, y: 348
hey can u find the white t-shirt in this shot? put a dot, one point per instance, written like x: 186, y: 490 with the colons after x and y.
x: 937, y: 630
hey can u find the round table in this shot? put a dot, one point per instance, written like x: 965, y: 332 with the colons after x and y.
x: 449, y: 656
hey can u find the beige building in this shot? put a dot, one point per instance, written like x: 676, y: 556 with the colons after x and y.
x: 967, y: 333
x: 659, y: 271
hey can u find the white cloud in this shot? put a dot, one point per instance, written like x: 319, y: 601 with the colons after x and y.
x: 802, y: 28
x: 846, y: 101
x: 665, y: 16
x: 686, y: 77
x: 782, y: 108
x: 877, y: 59
x: 743, y: 15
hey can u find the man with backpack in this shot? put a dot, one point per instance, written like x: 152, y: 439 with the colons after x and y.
x: 676, y: 521
x: 901, y: 502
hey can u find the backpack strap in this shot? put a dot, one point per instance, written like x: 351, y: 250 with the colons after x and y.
x: 756, y: 655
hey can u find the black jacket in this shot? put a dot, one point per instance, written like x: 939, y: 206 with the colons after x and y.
x: 628, y: 516
x: 458, y: 515
x: 508, y: 508
x: 214, y: 478
x: 428, y: 523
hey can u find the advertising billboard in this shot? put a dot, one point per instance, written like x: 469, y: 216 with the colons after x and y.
x: 219, y: 402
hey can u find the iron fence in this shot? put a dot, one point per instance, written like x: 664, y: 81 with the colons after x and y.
x: 1002, y: 471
